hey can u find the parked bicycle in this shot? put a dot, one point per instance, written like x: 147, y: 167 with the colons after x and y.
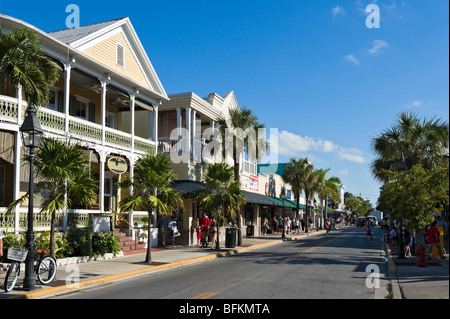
x: 44, y: 267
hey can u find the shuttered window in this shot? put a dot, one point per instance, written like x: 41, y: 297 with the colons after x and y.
x: 120, y: 54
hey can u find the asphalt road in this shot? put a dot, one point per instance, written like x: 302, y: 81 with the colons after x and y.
x: 340, y: 265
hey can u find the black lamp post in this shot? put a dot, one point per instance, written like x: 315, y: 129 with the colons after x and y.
x: 31, y: 137
x: 401, y: 249
x: 283, y: 197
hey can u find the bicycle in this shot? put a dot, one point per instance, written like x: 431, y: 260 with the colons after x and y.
x: 44, y: 267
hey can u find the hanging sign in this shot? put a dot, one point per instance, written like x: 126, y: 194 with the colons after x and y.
x: 117, y: 165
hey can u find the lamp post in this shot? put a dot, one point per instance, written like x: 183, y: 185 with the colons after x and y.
x: 31, y: 137
x: 401, y: 249
x: 283, y: 197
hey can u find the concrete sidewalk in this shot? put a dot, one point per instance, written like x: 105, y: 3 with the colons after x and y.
x: 410, y: 281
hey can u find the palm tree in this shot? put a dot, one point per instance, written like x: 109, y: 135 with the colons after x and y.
x: 327, y: 187
x: 152, y: 190
x: 61, y: 169
x: 292, y: 175
x: 223, y: 195
x: 22, y: 60
x: 303, y: 177
x: 417, y: 141
x: 240, y: 123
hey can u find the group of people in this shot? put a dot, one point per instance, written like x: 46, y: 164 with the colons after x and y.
x: 432, y: 236
x: 206, y: 230
x: 170, y: 226
x: 292, y: 226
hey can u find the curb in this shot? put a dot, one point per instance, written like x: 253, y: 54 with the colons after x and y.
x: 392, y: 272
x: 108, y: 279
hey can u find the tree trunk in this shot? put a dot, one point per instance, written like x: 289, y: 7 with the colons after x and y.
x: 307, y: 215
x: 148, y: 256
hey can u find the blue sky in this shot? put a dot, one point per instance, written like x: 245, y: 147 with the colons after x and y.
x: 311, y: 69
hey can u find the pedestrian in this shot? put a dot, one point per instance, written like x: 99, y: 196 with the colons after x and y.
x: 407, y: 239
x: 205, y: 223
x: 280, y: 224
x: 162, y: 226
x: 173, y: 230
x: 295, y: 226
x: 288, y: 226
x: 302, y: 221
x: 265, y: 226
x: 1, y: 242
x: 433, y: 240
x: 275, y: 225
x: 213, y: 232
x: 195, y: 229
x: 368, y: 229
x: 328, y: 225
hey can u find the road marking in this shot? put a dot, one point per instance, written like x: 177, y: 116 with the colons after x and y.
x: 206, y: 295
x: 309, y: 250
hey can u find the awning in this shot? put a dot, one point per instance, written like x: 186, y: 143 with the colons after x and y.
x: 279, y: 202
x: 188, y: 187
x: 295, y: 204
x: 258, y: 199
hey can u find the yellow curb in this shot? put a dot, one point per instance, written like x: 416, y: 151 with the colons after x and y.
x: 134, y: 273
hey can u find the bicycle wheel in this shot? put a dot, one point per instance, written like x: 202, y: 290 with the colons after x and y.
x: 46, y: 270
x: 11, y: 276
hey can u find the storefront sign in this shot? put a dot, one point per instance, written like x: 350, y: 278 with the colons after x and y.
x: 288, y: 194
x: 117, y: 165
x: 253, y: 185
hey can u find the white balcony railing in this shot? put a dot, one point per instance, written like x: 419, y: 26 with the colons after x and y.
x: 54, y: 122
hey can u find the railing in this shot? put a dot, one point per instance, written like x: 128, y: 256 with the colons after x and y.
x: 54, y: 121
x: 8, y: 108
x: 126, y: 222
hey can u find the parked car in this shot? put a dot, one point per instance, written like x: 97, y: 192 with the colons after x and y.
x: 360, y: 221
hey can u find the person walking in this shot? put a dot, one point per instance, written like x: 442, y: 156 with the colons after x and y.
x: 173, y: 230
x: 407, y: 239
x: 213, y: 232
x: 162, y: 226
x: 434, y: 240
x: 205, y: 223
x: 196, y: 229
x: 368, y: 229
x: 328, y: 225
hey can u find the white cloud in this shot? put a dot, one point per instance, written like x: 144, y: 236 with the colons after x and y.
x: 378, y: 47
x: 351, y: 155
x: 337, y: 11
x: 290, y: 144
x: 343, y: 172
x: 351, y: 58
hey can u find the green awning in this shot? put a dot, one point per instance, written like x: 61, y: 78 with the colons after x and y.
x: 279, y: 202
x: 295, y: 204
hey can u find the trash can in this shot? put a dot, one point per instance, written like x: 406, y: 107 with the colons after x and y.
x: 230, y: 238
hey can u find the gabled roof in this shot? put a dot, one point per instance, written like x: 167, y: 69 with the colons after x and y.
x: 89, y: 37
x: 71, y: 35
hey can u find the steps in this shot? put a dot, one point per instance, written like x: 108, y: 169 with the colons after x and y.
x: 128, y: 245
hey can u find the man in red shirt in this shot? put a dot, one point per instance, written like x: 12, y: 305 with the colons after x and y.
x: 433, y: 240
x: 205, y: 223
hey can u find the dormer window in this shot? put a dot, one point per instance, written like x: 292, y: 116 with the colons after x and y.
x: 120, y: 54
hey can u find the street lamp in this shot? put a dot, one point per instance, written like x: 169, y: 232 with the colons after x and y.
x: 401, y: 250
x: 31, y: 137
x: 283, y: 197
